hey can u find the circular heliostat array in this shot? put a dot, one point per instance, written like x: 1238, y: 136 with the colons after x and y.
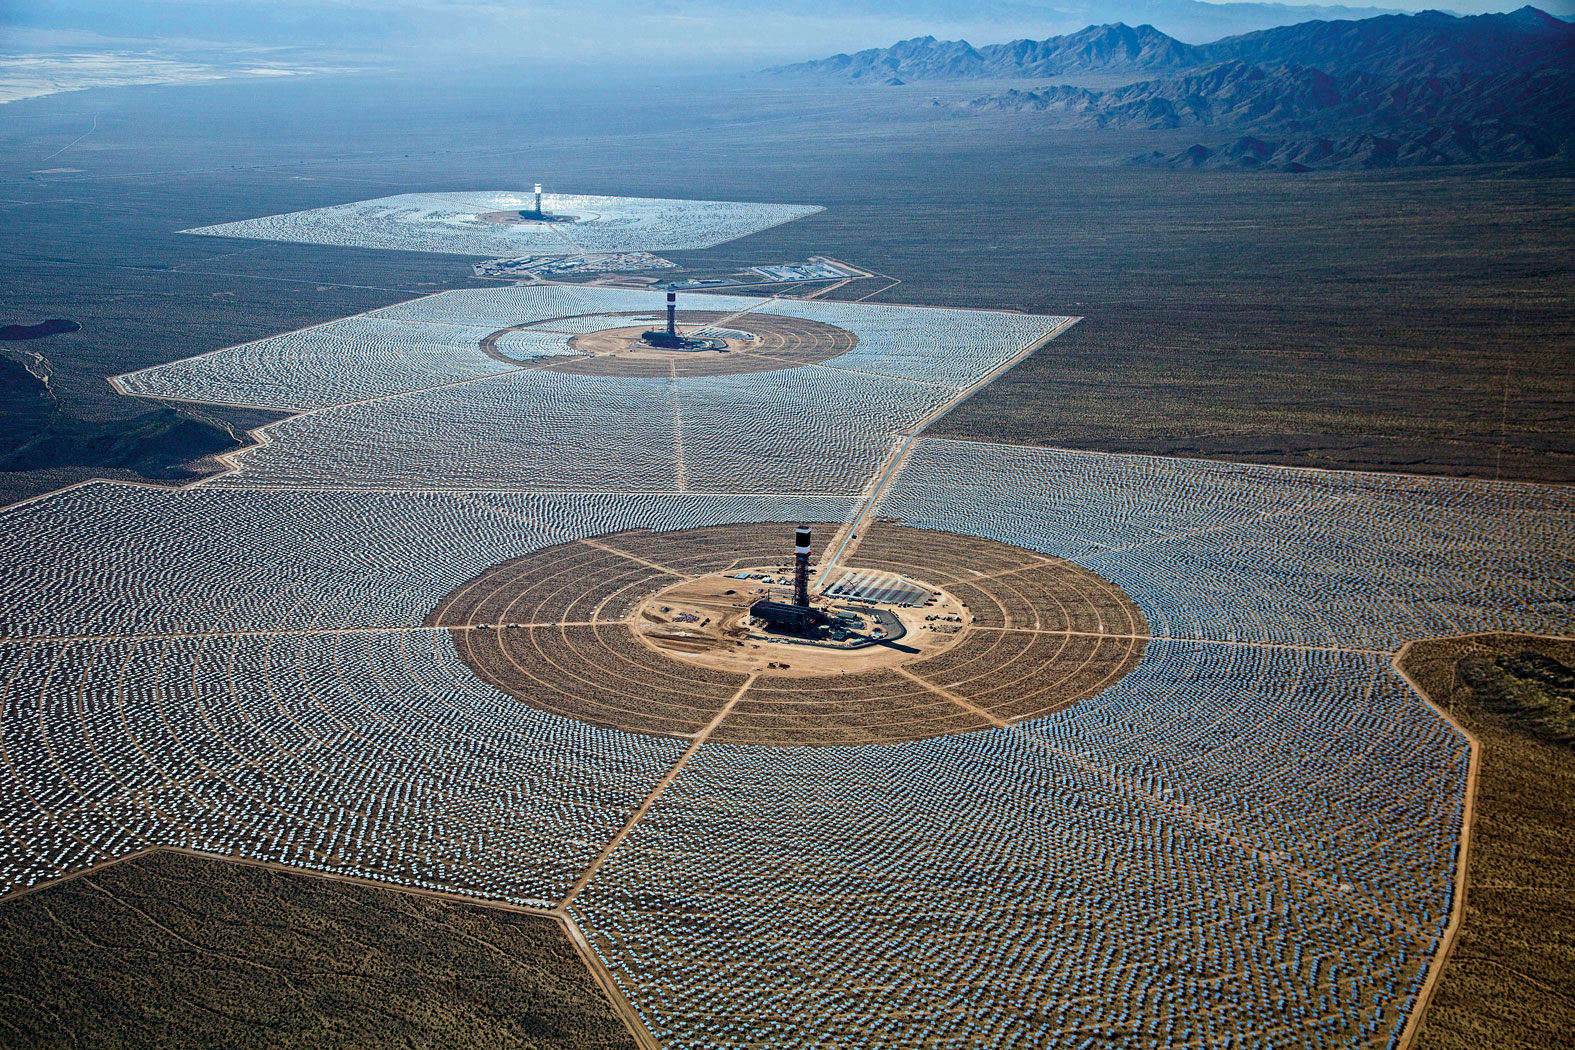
x: 574, y: 630
x: 750, y: 343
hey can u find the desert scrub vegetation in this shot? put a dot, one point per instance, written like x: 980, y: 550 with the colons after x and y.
x: 1507, y: 981
x: 174, y: 950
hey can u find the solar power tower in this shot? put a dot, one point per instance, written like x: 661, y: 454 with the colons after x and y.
x: 672, y: 314
x: 801, y: 567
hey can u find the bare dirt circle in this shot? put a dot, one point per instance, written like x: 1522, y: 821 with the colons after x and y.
x: 772, y: 343
x: 565, y: 630
x: 519, y: 218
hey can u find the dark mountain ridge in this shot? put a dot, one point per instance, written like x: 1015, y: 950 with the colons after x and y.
x: 1106, y: 48
x: 1427, y: 44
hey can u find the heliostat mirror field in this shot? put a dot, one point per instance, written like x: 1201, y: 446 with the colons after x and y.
x: 1236, y: 821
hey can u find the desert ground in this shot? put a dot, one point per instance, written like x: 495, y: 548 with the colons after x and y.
x: 1171, y: 778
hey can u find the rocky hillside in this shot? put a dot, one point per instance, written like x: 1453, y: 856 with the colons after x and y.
x: 1293, y: 98
x: 41, y: 435
x: 1313, y: 120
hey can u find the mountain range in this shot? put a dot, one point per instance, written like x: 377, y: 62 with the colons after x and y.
x: 1427, y: 44
x: 1109, y: 48
x: 1392, y: 90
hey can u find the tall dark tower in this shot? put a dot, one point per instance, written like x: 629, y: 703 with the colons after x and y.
x: 538, y: 200
x: 801, y: 567
x: 669, y: 339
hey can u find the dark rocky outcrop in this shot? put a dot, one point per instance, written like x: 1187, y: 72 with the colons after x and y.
x: 41, y: 435
x: 53, y: 326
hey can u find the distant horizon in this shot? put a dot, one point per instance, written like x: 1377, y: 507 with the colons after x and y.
x: 602, y: 34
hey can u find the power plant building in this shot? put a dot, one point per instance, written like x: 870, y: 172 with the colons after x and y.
x: 785, y: 616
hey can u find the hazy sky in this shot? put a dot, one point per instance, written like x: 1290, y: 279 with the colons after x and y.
x: 1466, y: 7
x: 724, y: 35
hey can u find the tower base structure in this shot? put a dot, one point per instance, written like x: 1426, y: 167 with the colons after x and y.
x: 669, y: 339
